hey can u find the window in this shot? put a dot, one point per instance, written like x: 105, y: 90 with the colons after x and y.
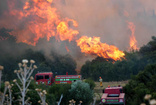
x: 113, y: 95
x: 46, y: 76
x: 38, y: 77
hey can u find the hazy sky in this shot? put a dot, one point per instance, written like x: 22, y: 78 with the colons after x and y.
x: 108, y: 19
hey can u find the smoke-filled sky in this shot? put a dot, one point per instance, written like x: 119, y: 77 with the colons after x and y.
x: 104, y: 18
x: 107, y: 19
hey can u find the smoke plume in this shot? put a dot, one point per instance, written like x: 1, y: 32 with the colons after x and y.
x: 106, y: 19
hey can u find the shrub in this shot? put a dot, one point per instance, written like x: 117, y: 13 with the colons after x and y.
x: 91, y: 83
x: 58, y: 89
x: 80, y: 91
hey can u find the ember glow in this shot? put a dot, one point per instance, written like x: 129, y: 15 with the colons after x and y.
x: 3, y: 38
x: 41, y: 20
x: 67, y: 49
x: 93, y: 46
x: 133, y: 41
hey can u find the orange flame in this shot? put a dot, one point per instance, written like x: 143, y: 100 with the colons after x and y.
x: 67, y: 49
x: 40, y: 20
x: 65, y: 33
x: 95, y: 47
x: 133, y: 41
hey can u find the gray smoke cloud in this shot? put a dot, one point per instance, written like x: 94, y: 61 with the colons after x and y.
x: 108, y: 19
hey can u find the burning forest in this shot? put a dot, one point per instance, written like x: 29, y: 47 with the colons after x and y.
x: 65, y: 41
x: 104, y: 34
x: 39, y: 19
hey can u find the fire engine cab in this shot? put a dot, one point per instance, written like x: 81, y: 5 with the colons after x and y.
x: 113, y: 95
x: 44, y: 78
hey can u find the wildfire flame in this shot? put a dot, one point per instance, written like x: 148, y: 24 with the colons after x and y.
x: 133, y: 41
x: 95, y: 47
x: 65, y: 33
x: 67, y: 49
x: 40, y: 20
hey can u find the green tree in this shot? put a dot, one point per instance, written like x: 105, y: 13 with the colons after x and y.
x: 140, y: 85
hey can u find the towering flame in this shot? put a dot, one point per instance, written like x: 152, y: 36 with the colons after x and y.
x: 133, y: 41
x: 39, y: 19
x: 95, y: 47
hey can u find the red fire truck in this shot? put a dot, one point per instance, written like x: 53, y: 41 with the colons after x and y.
x: 48, y: 78
x: 44, y: 78
x: 113, y: 95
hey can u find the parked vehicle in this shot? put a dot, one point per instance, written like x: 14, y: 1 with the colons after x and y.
x: 113, y: 95
x: 49, y: 79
